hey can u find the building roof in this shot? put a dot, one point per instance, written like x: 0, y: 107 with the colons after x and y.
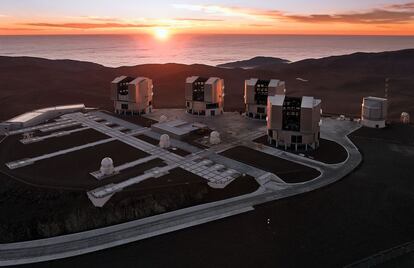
x: 251, y: 82
x: 375, y: 99
x: 269, y: 83
x: 33, y: 114
x: 25, y: 117
x: 307, y: 102
x: 275, y: 83
x: 138, y: 80
x: 177, y: 127
x: 276, y: 100
x: 212, y: 80
x: 191, y: 79
x: 119, y: 79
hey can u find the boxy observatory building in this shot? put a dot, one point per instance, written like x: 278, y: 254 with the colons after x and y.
x: 132, y: 96
x: 293, y: 122
x: 204, y: 96
x: 255, y: 95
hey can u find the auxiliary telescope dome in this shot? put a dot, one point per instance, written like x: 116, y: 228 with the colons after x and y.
x: 107, y: 166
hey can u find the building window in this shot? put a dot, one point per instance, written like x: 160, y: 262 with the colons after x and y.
x: 198, y: 89
x: 291, y: 114
x: 261, y: 92
x: 124, y: 106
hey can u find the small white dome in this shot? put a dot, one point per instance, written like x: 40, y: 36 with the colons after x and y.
x: 107, y: 161
x: 215, y: 137
x: 107, y: 166
x: 165, y: 141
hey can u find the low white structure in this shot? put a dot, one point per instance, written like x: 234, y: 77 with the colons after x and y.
x: 38, y: 116
x: 215, y: 138
x: 405, y: 118
x: 165, y: 141
x: 374, y: 112
x: 177, y: 129
x: 107, y: 166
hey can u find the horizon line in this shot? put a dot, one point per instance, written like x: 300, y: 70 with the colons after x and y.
x: 210, y: 34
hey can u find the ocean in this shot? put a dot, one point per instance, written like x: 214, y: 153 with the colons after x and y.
x: 128, y: 50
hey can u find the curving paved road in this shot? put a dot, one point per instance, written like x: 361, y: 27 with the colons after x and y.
x: 85, y: 242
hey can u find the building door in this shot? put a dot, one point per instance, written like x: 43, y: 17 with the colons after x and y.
x: 213, y: 113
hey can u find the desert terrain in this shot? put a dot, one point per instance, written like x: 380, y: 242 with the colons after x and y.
x: 341, y: 82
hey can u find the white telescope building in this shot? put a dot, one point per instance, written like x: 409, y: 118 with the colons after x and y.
x: 204, y: 96
x: 374, y: 112
x: 132, y: 96
x: 256, y: 92
x: 293, y: 122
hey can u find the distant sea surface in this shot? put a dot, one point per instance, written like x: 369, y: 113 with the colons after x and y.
x: 127, y: 50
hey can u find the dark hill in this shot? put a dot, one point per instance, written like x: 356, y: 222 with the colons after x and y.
x: 254, y: 63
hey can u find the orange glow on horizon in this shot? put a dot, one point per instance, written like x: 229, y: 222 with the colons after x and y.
x: 162, y: 29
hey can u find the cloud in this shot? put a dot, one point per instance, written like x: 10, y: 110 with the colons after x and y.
x: 376, y: 16
x: 259, y: 25
x: 5, y: 29
x: 94, y: 18
x: 397, y: 13
x: 404, y: 6
x: 227, y: 11
x: 197, y: 19
x: 82, y: 25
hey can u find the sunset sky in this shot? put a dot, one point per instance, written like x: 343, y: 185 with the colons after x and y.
x: 377, y: 17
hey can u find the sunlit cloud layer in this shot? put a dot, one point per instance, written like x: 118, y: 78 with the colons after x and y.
x: 397, y: 18
x: 398, y: 13
x: 93, y: 25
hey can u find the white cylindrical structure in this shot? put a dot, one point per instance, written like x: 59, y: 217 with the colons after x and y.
x: 215, y: 137
x: 405, y: 118
x: 107, y: 166
x: 374, y: 112
x: 163, y: 119
x: 165, y: 141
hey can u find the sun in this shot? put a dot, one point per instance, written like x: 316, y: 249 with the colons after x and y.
x: 161, y: 33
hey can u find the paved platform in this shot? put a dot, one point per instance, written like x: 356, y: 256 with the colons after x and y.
x: 201, y: 162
